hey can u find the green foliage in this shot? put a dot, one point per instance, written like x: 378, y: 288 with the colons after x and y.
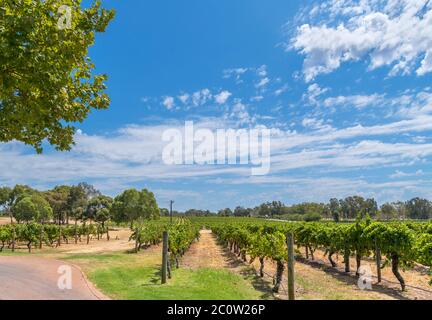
x: 98, y: 209
x: 423, y: 249
x: 5, y: 195
x: 146, y: 233
x: 181, y: 234
x: 133, y: 204
x: 50, y: 234
x: 227, y: 212
x: 58, y: 200
x: 312, y: 216
x: 46, y: 77
x: 32, y: 208
x: 406, y: 243
x: 419, y: 208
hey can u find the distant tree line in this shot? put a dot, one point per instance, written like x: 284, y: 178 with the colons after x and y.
x: 348, y: 208
x: 82, y: 202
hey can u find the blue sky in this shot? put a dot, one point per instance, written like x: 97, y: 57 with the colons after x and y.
x: 344, y: 86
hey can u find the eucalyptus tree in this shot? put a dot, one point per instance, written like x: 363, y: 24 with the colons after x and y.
x: 335, y: 209
x: 58, y: 199
x: 227, y: 212
x: 5, y: 194
x: 133, y: 204
x: 10, y: 196
x: 98, y: 209
x: 388, y: 211
x: 418, y: 208
x: 76, y: 202
x: 32, y: 208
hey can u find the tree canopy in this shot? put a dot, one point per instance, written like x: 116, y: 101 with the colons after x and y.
x: 133, y: 204
x: 32, y: 208
x: 46, y: 77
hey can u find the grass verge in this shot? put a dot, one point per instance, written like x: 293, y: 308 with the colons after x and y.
x: 137, y: 277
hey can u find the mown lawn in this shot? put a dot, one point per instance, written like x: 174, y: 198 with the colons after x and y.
x: 137, y: 276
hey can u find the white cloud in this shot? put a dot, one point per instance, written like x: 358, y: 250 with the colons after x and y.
x: 401, y: 174
x: 235, y: 73
x: 184, y: 98
x: 262, y: 71
x: 313, y: 92
x: 355, y: 101
x: 281, y: 90
x: 168, y: 102
x: 316, y: 124
x: 133, y: 153
x: 257, y: 98
x: 222, y: 97
x: 393, y: 33
x: 201, y: 97
x: 240, y: 113
x: 263, y: 82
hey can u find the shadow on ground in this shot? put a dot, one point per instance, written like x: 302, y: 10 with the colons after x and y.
x: 249, y: 273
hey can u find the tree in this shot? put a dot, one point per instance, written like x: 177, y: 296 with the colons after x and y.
x: 401, y: 209
x: 418, y: 208
x: 242, y: 212
x: 33, y: 207
x: 335, y: 209
x: 197, y: 213
x: 306, y: 208
x: 356, y: 206
x: 98, y: 209
x: 24, y: 210
x: 370, y: 207
x: 58, y: 200
x: 149, y: 208
x: 11, y: 196
x: 46, y: 77
x: 133, y: 204
x: 388, y: 211
x: 270, y: 209
x: 43, y: 211
x: 5, y: 195
x: 227, y: 212
x: 76, y: 202
x: 89, y: 190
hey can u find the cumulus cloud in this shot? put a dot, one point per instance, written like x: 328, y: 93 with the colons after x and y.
x: 394, y: 33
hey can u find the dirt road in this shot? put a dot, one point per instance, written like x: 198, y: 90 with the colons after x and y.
x: 206, y: 253
x: 31, y: 278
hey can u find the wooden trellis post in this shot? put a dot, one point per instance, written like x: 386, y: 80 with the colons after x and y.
x: 165, y: 257
x: 290, y: 244
x: 378, y: 261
